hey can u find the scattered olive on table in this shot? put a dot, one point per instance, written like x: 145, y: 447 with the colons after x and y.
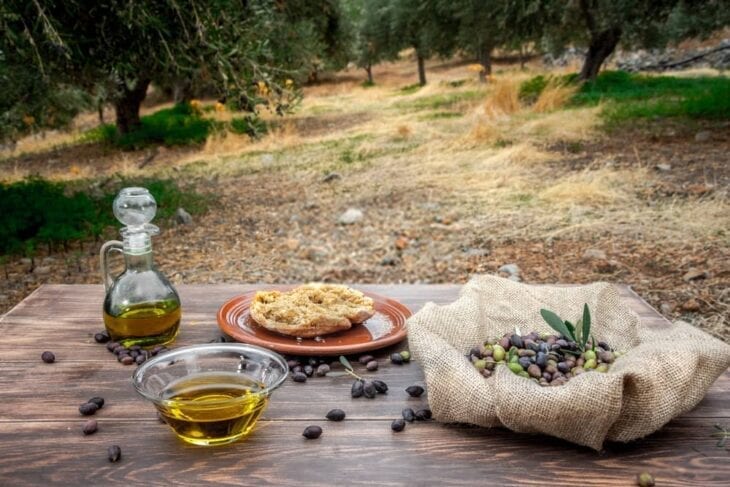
x: 312, y: 432
x: 48, y: 357
x: 90, y: 427
x: 114, y: 453
x: 336, y: 415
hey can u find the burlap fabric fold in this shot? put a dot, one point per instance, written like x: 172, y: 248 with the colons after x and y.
x: 665, y: 371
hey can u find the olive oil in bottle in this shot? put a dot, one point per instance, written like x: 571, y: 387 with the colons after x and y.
x: 145, y: 323
x: 141, y: 307
x: 212, y: 408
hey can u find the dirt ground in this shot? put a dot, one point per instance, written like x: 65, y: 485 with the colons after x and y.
x: 446, y: 190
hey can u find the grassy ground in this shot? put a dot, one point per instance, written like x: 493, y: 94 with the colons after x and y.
x: 454, y: 178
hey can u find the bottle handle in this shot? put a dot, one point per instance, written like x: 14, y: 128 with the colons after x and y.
x: 106, y: 249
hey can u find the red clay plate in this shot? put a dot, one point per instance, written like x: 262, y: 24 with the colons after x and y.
x: 386, y: 327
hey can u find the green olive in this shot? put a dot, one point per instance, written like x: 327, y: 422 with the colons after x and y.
x: 602, y: 368
x: 480, y: 364
x: 498, y: 353
x: 515, y: 367
x: 590, y: 364
x: 589, y: 355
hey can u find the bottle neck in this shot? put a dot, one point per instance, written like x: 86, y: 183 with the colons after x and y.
x: 138, y: 262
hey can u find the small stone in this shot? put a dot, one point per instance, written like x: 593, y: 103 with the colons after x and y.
x: 390, y: 260
x: 415, y: 391
x: 336, y: 415
x: 694, y: 274
x: 312, y: 432
x: 401, y: 242
x: 48, y: 357
x: 42, y: 270
x: 292, y: 244
x: 691, y: 305
x: 510, y: 269
x: 666, y: 308
x: 605, y: 266
x: 703, y: 136
x: 663, y: 167
x: 333, y: 176
x: 183, y: 217
x: 398, y: 425
x: 594, y: 254
x: 90, y: 427
x: 474, y: 252
x: 352, y: 215
x: 115, y: 453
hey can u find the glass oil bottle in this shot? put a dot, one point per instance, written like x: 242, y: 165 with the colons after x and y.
x: 141, y: 307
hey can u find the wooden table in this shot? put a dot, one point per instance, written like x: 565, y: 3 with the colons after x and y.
x: 41, y: 440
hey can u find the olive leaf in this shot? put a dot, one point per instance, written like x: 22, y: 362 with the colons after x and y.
x: 579, y: 333
x: 586, y: 326
x: 345, y: 362
x: 555, y: 322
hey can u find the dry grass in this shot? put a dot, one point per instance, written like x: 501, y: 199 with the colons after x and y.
x: 555, y: 96
x: 591, y: 188
x: 503, y: 98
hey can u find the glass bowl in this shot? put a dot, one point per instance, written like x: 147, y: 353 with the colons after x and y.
x: 211, y: 394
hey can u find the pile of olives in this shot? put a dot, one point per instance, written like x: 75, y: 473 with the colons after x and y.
x: 549, y: 360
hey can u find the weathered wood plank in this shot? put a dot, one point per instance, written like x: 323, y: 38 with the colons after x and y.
x: 352, y: 453
x: 23, y: 385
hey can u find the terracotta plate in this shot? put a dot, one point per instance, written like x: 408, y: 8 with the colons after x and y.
x: 385, y: 328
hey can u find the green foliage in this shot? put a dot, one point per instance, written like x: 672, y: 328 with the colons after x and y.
x: 531, y: 89
x: 579, y: 333
x: 410, y: 89
x: 178, y: 125
x: 628, y: 96
x: 37, y: 211
x: 245, y: 52
x: 631, y: 96
x: 251, y: 126
x: 439, y: 101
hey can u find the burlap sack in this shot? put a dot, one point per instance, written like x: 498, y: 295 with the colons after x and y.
x: 665, y: 372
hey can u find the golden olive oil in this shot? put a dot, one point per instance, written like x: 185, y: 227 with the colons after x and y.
x: 144, y: 324
x: 212, y: 408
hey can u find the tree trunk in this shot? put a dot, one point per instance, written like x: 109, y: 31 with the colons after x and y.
x: 602, y: 45
x: 523, y: 57
x: 421, y: 70
x: 369, y: 70
x: 127, y: 106
x: 485, y: 60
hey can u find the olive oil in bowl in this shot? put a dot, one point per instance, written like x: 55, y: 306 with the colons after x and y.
x: 213, y: 408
